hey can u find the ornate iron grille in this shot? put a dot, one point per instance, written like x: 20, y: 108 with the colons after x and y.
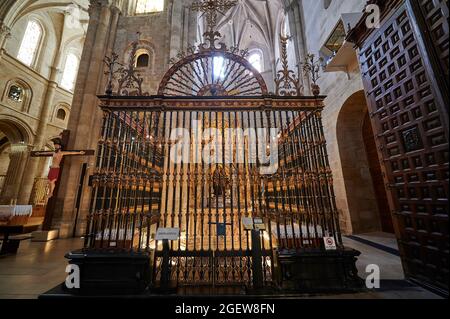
x: 149, y: 176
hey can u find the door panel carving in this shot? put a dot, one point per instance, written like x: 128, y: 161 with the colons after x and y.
x: 411, y: 135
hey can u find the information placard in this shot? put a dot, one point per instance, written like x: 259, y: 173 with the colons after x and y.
x: 168, y: 234
x: 259, y: 224
x: 248, y: 223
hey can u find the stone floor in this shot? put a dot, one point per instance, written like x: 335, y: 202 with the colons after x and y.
x: 390, y: 264
x: 38, y: 267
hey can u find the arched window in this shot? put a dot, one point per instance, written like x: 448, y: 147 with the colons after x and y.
x: 61, y: 115
x: 219, y: 67
x: 256, y: 60
x: 70, y: 72
x: 30, y: 43
x: 142, y: 60
x: 149, y: 6
x: 16, y: 93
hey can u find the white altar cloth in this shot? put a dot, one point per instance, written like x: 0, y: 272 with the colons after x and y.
x: 8, y: 211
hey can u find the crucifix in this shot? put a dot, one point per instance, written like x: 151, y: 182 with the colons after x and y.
x: 211, y: 8
x: 56, y: 166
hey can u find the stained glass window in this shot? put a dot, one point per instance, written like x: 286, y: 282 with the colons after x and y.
x: 15, y: 93
x: 30, y: 43
x: 148, y: 6
x: 255, y: 60
x: 70, y: 72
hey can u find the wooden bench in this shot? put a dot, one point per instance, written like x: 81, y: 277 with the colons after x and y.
x: 13, y: 235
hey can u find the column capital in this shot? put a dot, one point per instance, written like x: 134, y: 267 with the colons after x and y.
x: 97, y: 4
x: 115, y: 9
x: 5, y: 31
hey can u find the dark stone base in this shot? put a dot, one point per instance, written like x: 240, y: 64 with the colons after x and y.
x: 312, y: 271
x: 111, y: 272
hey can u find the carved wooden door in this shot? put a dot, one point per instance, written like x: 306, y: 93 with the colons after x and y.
x: 409, y: 122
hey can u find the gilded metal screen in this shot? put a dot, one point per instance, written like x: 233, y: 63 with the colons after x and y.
x: 206, y: 172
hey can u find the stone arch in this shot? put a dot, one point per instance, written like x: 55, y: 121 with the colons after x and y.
x: 17, y: 131
x: 362, y: 200
x: 19, y: 139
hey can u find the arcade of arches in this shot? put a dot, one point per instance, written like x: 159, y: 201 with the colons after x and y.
x: 384, y: 120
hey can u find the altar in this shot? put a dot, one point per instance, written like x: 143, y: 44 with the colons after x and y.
x: 13, y: 215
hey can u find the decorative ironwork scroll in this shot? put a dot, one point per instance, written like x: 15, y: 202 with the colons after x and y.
x: 311, y: 68
x: 111, y: 72
x: 129, y: 82
x: 212, y: 70
x: 287, y: 83
x: 211, y: 8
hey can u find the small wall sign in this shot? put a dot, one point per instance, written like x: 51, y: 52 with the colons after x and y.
x: 330, y: 243
x: 168, y: 234
x: 259, y: 224
x: 248, y: 223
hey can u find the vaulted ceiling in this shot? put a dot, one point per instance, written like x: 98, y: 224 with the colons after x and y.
x: 253, y: 20
x: 253, y: 24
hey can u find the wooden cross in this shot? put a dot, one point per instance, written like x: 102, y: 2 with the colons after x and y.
x: 211, y: 8
x: 54, y: 174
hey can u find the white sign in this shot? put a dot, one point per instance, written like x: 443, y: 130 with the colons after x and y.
x: 330, y: 243
x: 248, y: 223
x: 259, y: 224
x: 168, y: 234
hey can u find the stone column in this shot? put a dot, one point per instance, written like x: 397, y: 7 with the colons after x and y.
x: 297, y: 27
x: 115, y: 14
x: 39, y: 142
x: 85, y: 119
x: 13, y: 181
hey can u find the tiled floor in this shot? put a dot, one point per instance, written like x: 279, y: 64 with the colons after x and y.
x: 38, y: 267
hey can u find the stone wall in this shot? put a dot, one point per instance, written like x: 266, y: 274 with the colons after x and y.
x: 113, y: 26
x: 31, y: 123
x: 318, y: 23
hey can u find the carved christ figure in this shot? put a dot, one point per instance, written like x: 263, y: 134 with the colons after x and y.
x: 220, y: 181
x: 57, y: 157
